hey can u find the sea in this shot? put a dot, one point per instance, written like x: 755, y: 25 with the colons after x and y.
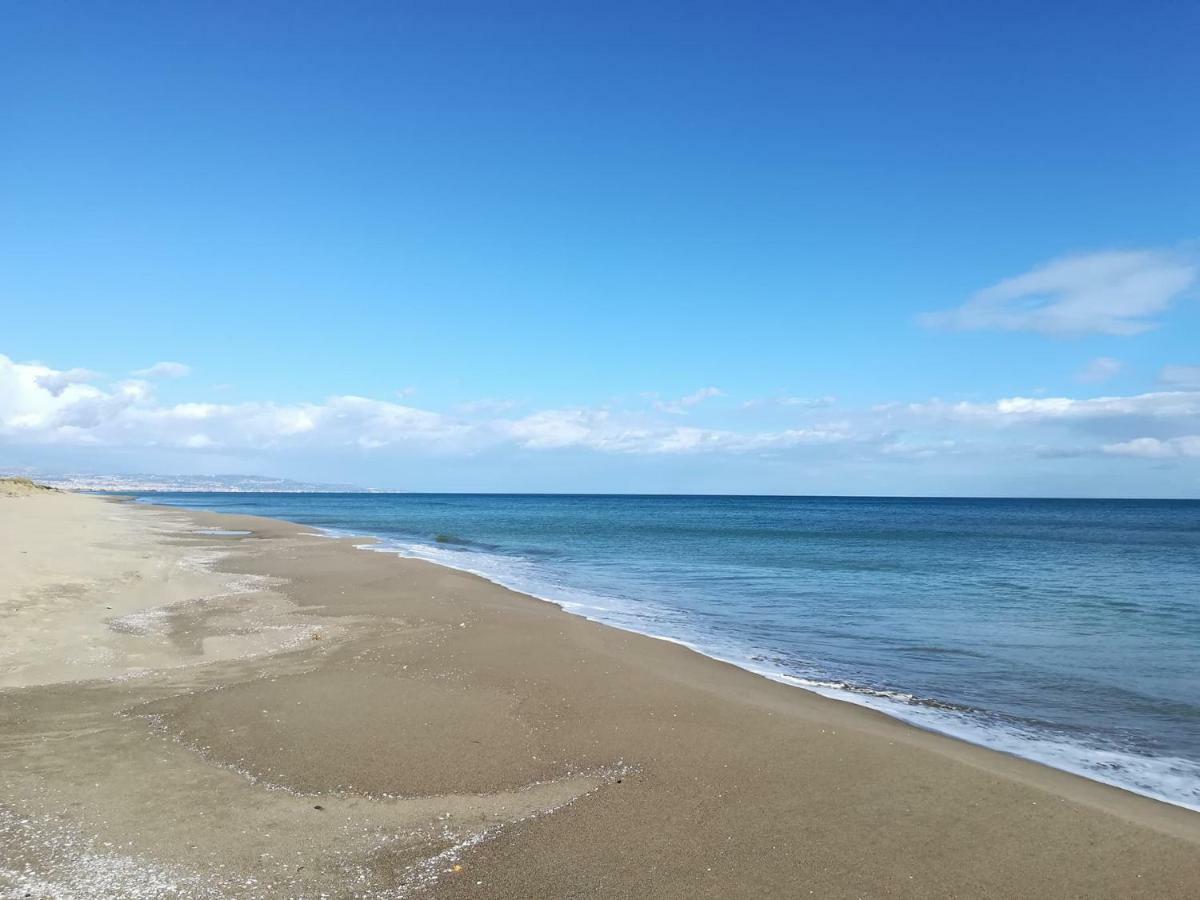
x: 1062, y: 631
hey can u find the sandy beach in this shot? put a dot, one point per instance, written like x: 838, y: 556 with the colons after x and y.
x: 203, y: 705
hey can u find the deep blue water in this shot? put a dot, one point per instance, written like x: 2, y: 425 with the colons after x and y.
x: 1066, y: 631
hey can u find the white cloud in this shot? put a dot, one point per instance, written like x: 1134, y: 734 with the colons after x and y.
x: 36, y: 398
x: 57, y: 382
x: 827, y: 400
x: 794, y: 402
x: 1154, y: 448
x: 569, y: 428
x: 1180, y: 376
x: 1115, y: 292
x: 683, y: 404
x: 608, y: 431
x: 703, y: 394
x: 164, y: 370
x: 199, y: 441
x: 1024, y: 410
x: 1100, y: 369
x: 128, y: 414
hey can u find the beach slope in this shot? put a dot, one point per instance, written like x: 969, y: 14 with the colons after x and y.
x: 197, y: 705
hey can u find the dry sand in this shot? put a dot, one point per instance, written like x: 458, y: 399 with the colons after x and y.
x: 276, y: 714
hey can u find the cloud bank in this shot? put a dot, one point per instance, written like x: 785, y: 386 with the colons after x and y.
x: 41, y: 406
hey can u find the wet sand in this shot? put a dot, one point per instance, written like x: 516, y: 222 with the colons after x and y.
x: 278, y: 714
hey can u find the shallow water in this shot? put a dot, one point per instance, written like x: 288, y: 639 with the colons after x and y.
x: 1066, y: 631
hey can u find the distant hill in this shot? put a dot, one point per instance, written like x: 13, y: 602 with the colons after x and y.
x: 196, y: 483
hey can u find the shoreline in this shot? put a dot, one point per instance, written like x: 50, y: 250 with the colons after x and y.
x: 840, y: 694
x: 891, y: 704
x: 775, y: 678
x: 490, y: 746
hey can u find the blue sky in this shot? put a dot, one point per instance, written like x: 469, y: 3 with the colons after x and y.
x: 878, y: 248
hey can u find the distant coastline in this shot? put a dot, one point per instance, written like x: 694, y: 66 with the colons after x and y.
x: 218, y: 484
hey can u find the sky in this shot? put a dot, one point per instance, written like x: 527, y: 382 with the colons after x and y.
x: 788, y: 248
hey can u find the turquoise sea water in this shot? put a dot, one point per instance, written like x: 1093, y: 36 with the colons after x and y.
x: 1066, y: 631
